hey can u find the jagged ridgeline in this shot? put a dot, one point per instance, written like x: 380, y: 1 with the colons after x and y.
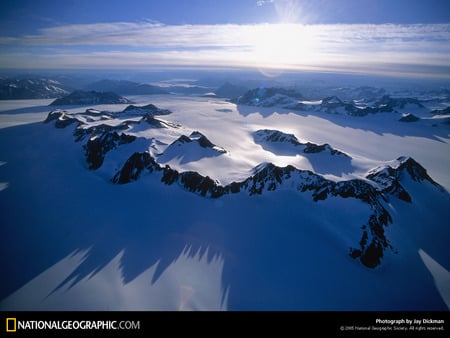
x: 102, y: 132
x: 293, y: 100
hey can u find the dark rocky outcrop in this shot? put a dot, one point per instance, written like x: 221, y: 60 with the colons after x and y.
x: 97, y: 147
x: 144, y: 110
x: 268, y: 97
x: 62, y: 118
x: 269, y: 177
x: 134, y: 166
x: 409, y: 118
x: 275, y: 136
x: 200, y: 139
x: 105, y: 136
x: 270, y: 135
x: 388, y: 177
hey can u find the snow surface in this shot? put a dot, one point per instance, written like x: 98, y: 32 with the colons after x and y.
x: 70, y: 239
x: 440, y: 275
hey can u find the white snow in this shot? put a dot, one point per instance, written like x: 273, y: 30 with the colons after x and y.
x: 74, y: 240
x: 188, y: 283
x: 313, y: 103
x: 440, y: 275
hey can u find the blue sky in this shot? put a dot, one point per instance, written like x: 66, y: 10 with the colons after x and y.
x: 398, y: 37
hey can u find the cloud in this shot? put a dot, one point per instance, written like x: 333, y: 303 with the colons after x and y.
x: 366, y: 47
x: 263, y: 2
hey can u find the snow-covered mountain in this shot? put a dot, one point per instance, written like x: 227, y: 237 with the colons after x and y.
x: 291, y: 99
x: 80, y: 97
x: 105, y: 131
x: 31, y: 88
x: 269, y: 97
x: 181, y: 202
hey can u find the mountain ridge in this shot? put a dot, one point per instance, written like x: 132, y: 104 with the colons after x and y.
x: 31, y: 88
x: 80, y: 97
x: 292, y: 99
x: 375, y: 189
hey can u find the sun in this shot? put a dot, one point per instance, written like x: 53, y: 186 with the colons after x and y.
x: 284, y: 45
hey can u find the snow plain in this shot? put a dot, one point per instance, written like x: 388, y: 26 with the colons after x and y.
x: 70, y: 239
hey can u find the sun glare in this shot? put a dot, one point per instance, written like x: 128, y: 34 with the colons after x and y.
x: 284, y: 45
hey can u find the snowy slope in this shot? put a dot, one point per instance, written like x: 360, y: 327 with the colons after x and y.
x: 270, y: 232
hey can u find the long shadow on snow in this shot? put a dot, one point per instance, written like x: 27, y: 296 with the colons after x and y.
x: 53, y: 206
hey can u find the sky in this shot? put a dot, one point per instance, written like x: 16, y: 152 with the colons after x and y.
x: 401, y: 37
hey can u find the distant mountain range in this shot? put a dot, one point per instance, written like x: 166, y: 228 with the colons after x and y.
x: 291, y: 99
x: 123, y: 87
x: 230, y: 91
x: 31, y: 88
x: 48, y: 88
x: 80, y: 97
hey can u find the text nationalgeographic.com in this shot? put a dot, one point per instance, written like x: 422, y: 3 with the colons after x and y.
x: 12, y: 325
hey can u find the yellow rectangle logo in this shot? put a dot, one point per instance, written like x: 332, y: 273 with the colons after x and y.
x: 11, y: 325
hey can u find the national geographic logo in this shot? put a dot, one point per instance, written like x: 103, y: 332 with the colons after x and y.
x: 14, y: 325
x: 11, y: 324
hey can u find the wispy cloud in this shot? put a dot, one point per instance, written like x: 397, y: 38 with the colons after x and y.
x: 263, y: 2
x: 292, y: 46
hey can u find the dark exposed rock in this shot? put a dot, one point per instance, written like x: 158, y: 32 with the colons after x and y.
x: 389, y: 177
x: 97, y: 147
x: 276, y: 136
x: 204, y: 142
x: 61, y: 118
x: 170, y: 175
x: 152, y: 121
x: 103, y: 137
x: 372, y: 256
x: 314, y: 148
x: 182, y: 139
x: 199, y: 138
x: 268, y: 97
x: 409, y: 118
x: 195, y: 182
x: 134, y: 166
x: 414, y: 169
x: 148, y: 109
